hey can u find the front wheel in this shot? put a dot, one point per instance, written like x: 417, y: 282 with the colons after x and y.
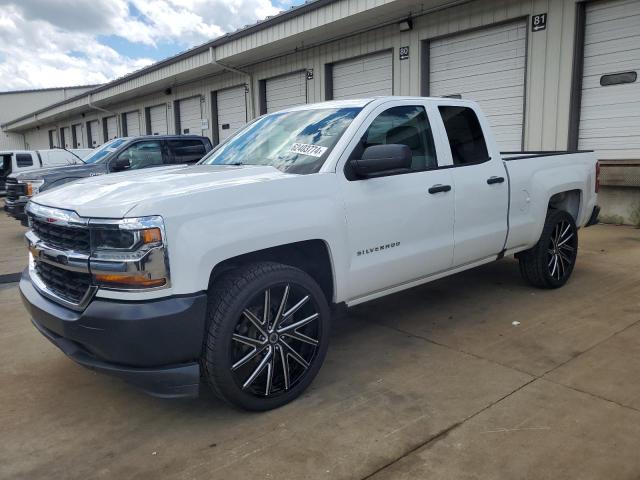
x: 267, y: 337
x: 550, y: 262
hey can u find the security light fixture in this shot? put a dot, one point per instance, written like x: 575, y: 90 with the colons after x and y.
x: 406, y: 25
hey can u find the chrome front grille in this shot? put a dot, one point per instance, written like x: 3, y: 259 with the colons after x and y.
x: 59, y: 246
x: 69, y: 285
x: 14, y: 189
x: 74, y: 238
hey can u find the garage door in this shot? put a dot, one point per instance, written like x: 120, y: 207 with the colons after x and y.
x: 158, y: 120
x: 190, y: 116
x: 66, y: 137
x: 110, y: 128
x: 487, y: 66
x: 232, y: 111
x: 93, y: 134
x: 286, y: 91
x: 610, y: 107
x: 132, y: 122
x: 366, y: 76
x: 78, y: 141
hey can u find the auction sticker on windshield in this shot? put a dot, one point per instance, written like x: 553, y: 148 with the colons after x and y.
x: 306, y: 149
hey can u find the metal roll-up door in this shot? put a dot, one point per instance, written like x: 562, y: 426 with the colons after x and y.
x: 488, y: 66
x: 93, y: 134
x: 610, y: 105
x: 158, y: 120
x: 78, y: 141
x: 286, y: 91
x: 132, y: 120
x: 190, y: 115
x: 232, y: 111
x: 66, y: 136
x: 367, y: 76
x: 111, y: 128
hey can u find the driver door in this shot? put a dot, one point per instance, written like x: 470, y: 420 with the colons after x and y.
x: 400, y: 226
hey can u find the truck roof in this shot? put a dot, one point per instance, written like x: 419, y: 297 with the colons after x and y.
x: 361, y: 102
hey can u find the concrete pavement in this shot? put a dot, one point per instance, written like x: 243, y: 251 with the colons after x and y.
x: 435, y: 382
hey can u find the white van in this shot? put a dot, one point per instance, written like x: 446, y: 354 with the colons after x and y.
x: 17, y: 161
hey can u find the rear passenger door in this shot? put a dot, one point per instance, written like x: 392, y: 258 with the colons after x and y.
x: 481, y: 192
x: 186, y: 150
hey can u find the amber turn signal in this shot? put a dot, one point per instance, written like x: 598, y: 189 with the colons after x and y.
x: 129, y: 280
x: 151, y: 235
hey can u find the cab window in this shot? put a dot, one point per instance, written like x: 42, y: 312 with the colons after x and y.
x: 465, y: 135
x: 404, y: 125
x: 24, y: 160
x: 143, y: 154
x: 186, y: 151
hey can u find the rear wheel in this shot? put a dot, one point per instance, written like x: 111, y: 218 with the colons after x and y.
x: 550, y: 262
x: 267, y: 337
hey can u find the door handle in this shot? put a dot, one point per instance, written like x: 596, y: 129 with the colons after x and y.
x: 439, y: 188
x: 492, y: 180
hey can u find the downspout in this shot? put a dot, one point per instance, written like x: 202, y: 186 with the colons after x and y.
x: 212, y: 56
x: 100, y: 109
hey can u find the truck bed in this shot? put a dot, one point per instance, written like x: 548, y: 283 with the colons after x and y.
x: 532, y: 184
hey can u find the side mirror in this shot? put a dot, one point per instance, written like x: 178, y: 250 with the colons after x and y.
x: 379, y: 160
x: 121, y: 163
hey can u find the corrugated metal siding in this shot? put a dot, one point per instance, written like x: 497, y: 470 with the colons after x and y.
x: 232, y: 111
x: 488, y: 66
x: 10, y: 140
x: 190, y: 116
x: 548, y: 72
x: 286, y: 91
x: 366, y: 76
x: 610, y: 115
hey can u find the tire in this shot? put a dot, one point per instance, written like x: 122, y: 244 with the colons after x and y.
x: 550, y: 262
x: 246, y: 353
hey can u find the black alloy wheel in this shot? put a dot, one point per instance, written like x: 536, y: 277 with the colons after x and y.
x: 267, y: 336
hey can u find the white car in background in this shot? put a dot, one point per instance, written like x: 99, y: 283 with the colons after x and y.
x: 18, y: 161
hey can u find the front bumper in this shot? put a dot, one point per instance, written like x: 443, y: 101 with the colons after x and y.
x: 154, y: 344
x: 16, y: 210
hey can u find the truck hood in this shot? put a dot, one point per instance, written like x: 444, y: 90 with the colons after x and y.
x: 40, y: 173
x: 113, y: 195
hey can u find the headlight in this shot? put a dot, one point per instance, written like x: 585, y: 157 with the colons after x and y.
x: 33, y: 186
x: 130, y: 253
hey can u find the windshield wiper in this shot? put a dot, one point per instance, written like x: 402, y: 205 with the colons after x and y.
x: 62, y: 148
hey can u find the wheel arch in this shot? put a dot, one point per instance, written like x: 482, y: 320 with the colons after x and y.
x: 311, y: 256
x: 569, y: 200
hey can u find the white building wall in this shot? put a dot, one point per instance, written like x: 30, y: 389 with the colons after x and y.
x: 548, y: 76
x: 16, y: 104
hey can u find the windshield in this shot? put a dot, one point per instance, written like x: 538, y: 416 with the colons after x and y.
x: 294, y: 142
x: 5, y: 165
x: 104, y: 150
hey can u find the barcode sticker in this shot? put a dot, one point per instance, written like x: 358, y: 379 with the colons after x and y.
x: 306, y: 149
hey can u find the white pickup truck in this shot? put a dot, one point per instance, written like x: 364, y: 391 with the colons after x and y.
x: 226, y: 271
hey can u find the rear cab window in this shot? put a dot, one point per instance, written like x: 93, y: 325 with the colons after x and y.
x: 466, y: 138
x: 187, y: 150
